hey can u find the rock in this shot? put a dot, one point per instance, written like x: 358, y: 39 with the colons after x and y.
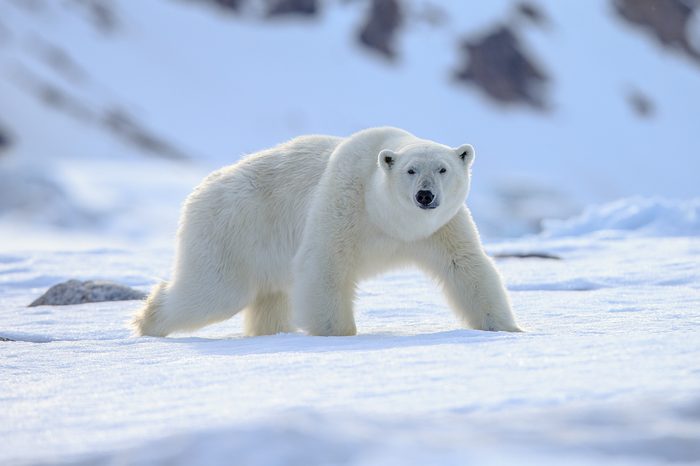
x: 6, y: 339
x: 77, y: 292
x: 381, y: 25
x: 497, y: 64
x: 532, y: 13
x: 641, y: 104
x: 56, y: 96
x: 229, y: 6
x: 234, y: 5
x: 125, y: 126
x: 667, y: 20
x: 4, y: 140
x: 59, y: 60
x: 101, y: 13
x: 292, y: 7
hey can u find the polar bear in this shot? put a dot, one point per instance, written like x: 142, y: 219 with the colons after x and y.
x: 286, y: 234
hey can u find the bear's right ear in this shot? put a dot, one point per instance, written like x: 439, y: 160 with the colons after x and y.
x: 466, y: 153
x: 387, y: 158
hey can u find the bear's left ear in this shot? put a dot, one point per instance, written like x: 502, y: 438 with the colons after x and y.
x: 466, y: 153
x: 386, y: 159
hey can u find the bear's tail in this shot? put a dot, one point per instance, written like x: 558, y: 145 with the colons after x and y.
x: 148, y: 321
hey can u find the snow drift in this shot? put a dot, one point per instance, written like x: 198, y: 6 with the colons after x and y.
x: 638, y: 216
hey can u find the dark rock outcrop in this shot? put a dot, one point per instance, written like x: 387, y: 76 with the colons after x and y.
x: 666, y: 20
x: 101, y: 13
x: 229, y: 6
x: 497, y: 64
x: 127, y: 128
x: 6, y: 339
x: 4, y: 139
x: 234, y: 5
x: 532, y: 13
x: 59, y: 60
x: 641, y: 104
x: 379, y: 30
x: 77, y: 292
x: 292, y: 7
x: 56, y: 96
x: 122, y: 124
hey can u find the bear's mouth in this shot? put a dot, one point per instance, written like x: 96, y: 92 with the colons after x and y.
x: 430, y: 206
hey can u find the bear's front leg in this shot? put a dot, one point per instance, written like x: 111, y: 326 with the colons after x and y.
x: 472, y: 285
x: 323, y: 291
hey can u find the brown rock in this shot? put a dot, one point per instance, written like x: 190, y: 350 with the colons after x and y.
x: 497, y: 64
x: 77, y: 292
x: 380, y: 27
x: 292, y: 7
x: 4, y: 140
x: 666, y: 20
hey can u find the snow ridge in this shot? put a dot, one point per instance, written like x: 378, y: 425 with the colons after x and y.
x: 641, y: 216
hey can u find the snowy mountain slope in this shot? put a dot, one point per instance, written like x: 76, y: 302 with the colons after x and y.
x: 194, y: 82
x: 606, y: 373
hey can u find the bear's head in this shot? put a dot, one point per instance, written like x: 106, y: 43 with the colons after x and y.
x: 426, y: 182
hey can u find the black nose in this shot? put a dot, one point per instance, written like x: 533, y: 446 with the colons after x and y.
x: 424, y: 197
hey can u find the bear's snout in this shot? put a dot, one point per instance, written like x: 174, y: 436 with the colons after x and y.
x: 425, y: 199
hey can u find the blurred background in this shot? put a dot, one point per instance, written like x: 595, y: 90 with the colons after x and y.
x: 112, y: 111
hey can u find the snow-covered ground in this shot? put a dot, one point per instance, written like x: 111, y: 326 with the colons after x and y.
x: 608, y: 371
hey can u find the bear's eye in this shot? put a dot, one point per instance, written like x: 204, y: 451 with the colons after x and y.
x: 411, y: 171
x: 443, y: 170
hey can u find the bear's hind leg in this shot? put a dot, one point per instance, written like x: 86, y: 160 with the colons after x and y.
x: 268, y: 314
x: 146, y: 320
x: 182, y: 306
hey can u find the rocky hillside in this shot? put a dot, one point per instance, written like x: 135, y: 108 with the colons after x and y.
x: 113, y: 109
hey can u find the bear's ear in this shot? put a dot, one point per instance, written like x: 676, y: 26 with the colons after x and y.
x: 386, y: 159
x: 466, y: 153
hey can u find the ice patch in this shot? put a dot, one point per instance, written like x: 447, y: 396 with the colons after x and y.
x: 643, y: 216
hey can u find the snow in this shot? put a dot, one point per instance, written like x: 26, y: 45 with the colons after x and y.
x: 639, y: 216
x: 606, y: 372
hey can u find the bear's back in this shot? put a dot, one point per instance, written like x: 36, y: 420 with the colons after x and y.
x: 255, y: 210
x: 290, y: 170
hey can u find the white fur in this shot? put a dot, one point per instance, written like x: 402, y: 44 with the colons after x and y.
x: 290, y: 231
